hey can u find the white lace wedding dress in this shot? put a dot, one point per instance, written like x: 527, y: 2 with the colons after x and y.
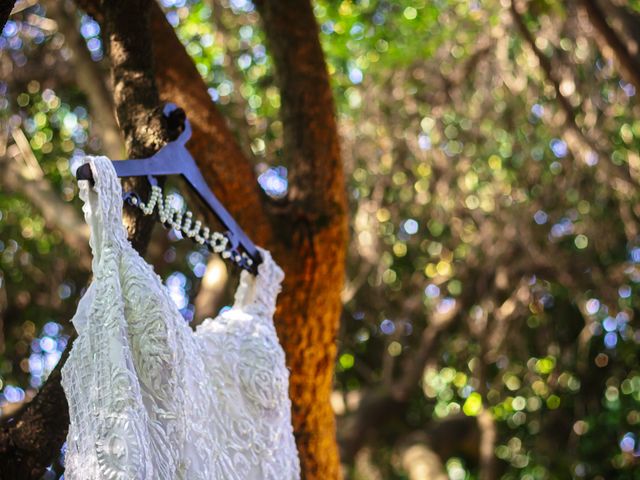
x: 149, y: 398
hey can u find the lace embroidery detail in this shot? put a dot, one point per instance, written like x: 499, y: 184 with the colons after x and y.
x: 151, y: 399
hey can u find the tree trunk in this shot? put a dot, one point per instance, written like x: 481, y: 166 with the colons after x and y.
x: 307, y: 235
x: 312, y: 236
x: 136, y: 98
x: 30, y: 440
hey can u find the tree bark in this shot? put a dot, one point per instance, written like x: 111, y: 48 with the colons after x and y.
x: 31, y: 438
x: 136, y: 97
x: 227, y: 171
x: 312, y: 233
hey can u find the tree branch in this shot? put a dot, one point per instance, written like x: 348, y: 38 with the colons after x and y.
x: 419, y: 460
x: 90, y: 80
x: 136, y: 96
x: 213, y: 146
x: 56, y: 213
x: 32, y: 438
x: 488, y: 467
x: 309, y: 305
x: 221, y: 161
x: 237, y: 121
x: 384, y: 405
x: 311, y: 143
x: 611, y: 45
x: 312, y: 229
x: 127, y: 25
x: 622, y: 177
x: 625, y: 21
x: 207, y: 301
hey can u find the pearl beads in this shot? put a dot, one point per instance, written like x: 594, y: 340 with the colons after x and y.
x: 183, y: 222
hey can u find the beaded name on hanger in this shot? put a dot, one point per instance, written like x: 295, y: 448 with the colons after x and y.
x: 175, y: 159
x: 182, y: 221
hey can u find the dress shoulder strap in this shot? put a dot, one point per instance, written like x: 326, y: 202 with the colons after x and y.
x: 260, y: 291
x: 103, y: 207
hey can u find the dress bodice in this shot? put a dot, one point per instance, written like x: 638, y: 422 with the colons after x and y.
x: 148, y: 397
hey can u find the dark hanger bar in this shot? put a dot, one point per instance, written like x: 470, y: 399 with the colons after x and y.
x: 175, y: 159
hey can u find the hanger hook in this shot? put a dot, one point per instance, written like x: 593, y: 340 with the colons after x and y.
x: 177, y: 123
